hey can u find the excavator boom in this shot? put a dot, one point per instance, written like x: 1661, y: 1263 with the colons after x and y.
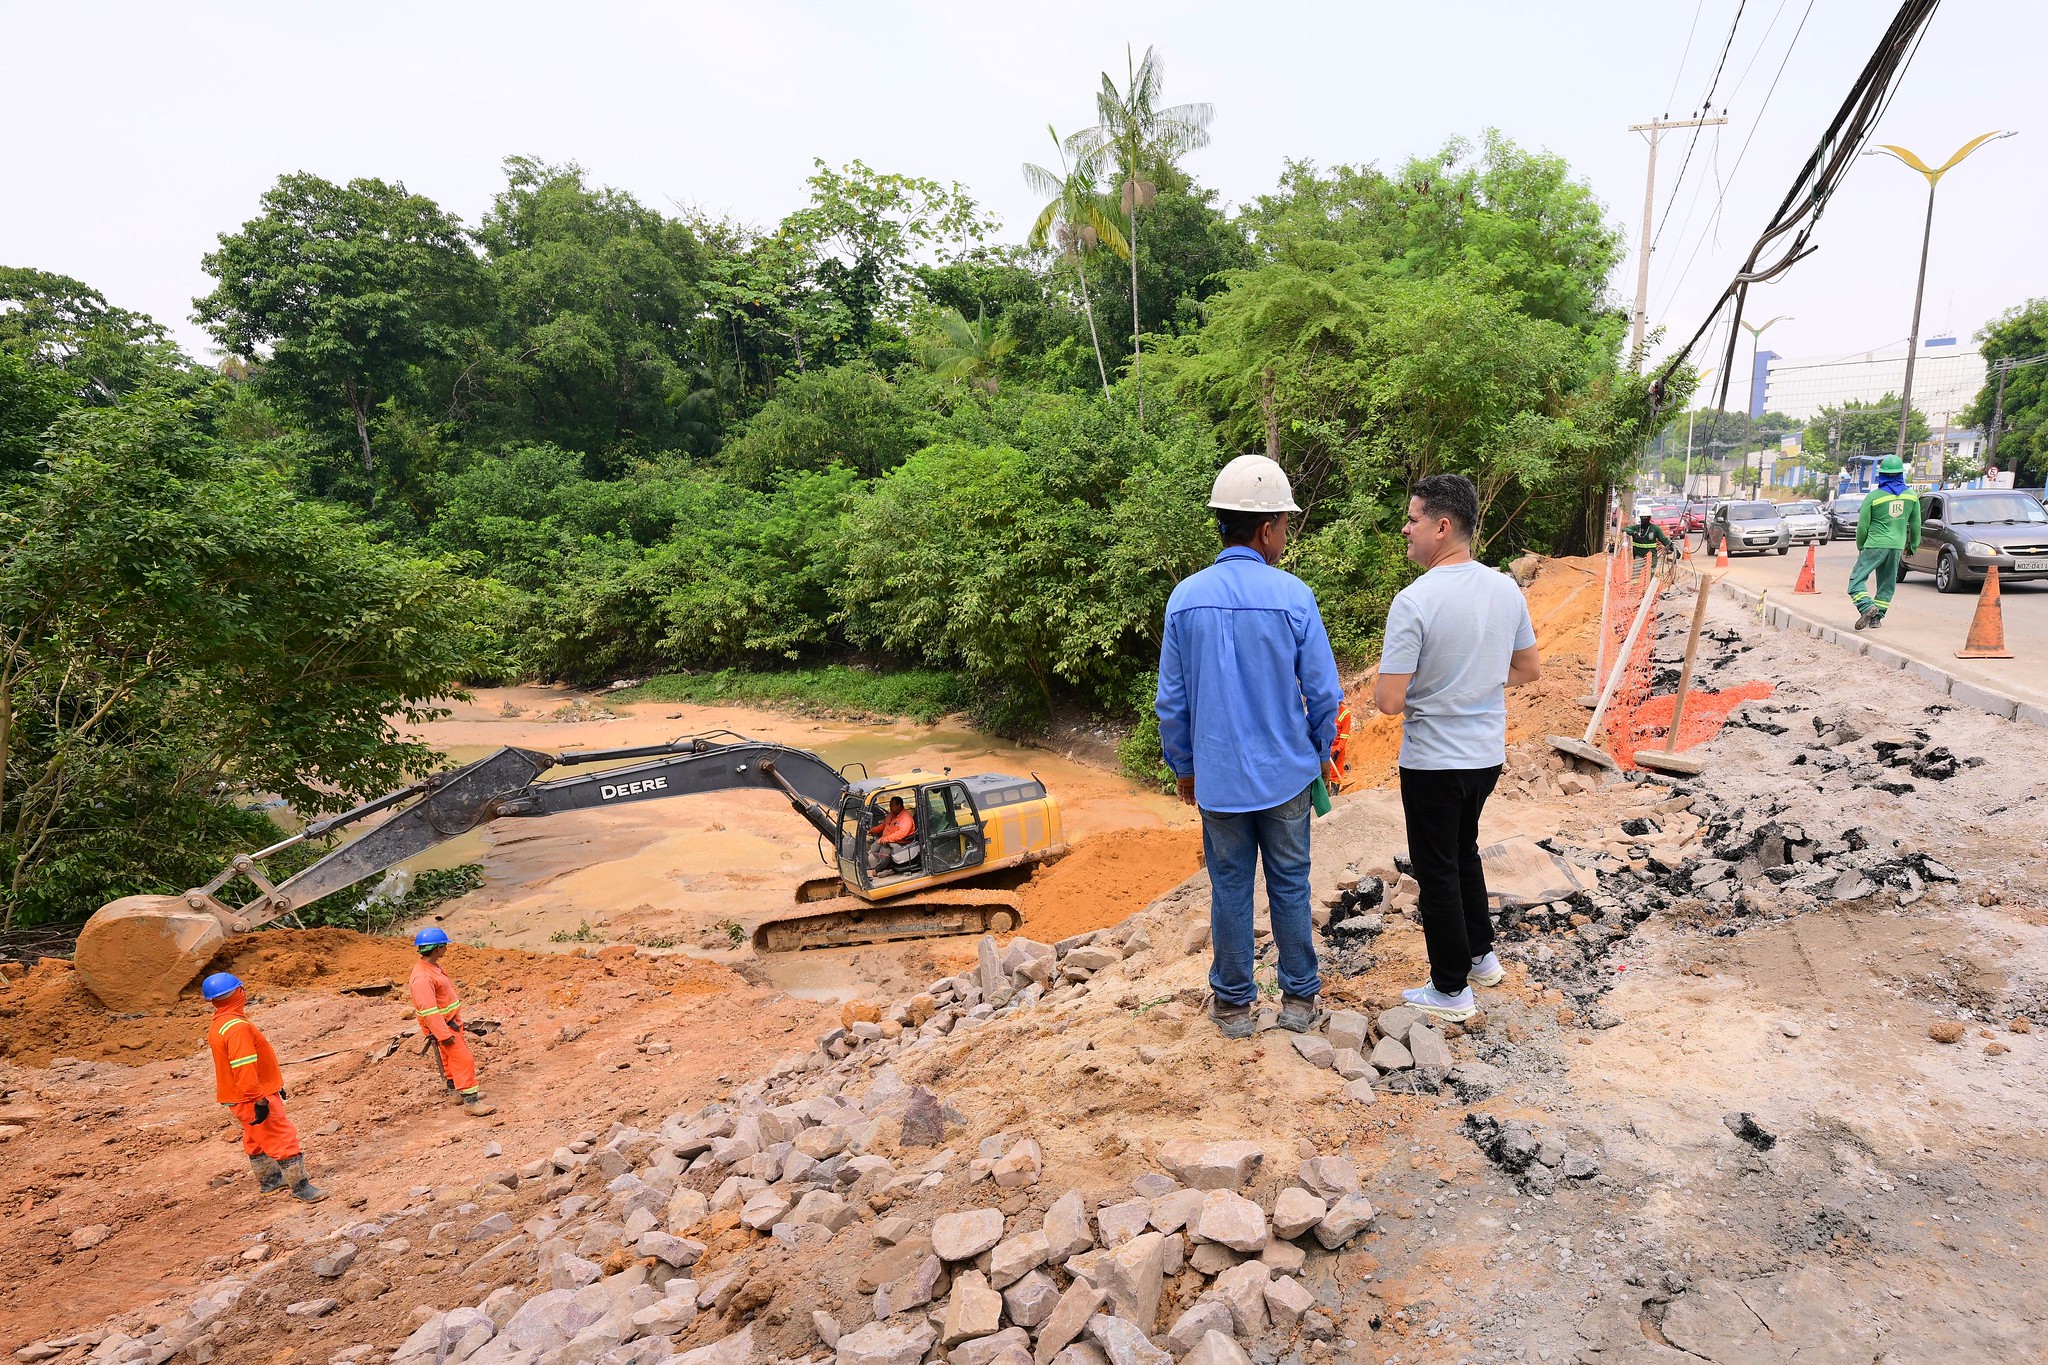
x: 143, y: 950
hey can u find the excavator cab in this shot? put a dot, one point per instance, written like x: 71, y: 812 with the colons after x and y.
x: 949, y: 838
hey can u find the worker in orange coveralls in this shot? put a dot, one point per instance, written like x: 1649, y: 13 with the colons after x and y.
x: 440, y: 1014
x: 246, y: 1078
x: 1340, y: 751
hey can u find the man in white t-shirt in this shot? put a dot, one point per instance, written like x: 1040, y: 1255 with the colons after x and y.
x: 1455, y: 638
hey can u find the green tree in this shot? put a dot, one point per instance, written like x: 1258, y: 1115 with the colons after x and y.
x: 102, y: 351
x: 972, y: 351
x: 846, y: 414
x: 2019, y: 333
x: 31, y: 398
x: 1851, y: 428
x: 1039, y: 563
x: 600, y: 345
x: 1078, y: 219
x: 1135, y: 138
x: 351, y: 296
x: 1514, y: 220
x: 179, y: 629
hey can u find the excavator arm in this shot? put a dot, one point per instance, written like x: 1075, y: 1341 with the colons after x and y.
x: 503, y: 785
x: 145, y: 949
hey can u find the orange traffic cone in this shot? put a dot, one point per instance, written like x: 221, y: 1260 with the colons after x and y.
x: 1721, y: 554
x: 1987, y: 627
x: 1805, y: 583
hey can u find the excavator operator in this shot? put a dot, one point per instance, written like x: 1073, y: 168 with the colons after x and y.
x: 899, y: 830
x: 440, y: 1015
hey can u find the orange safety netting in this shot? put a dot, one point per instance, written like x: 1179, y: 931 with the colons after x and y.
x: 1635, y: 719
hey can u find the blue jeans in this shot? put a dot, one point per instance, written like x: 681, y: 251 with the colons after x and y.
x: 1232, y: 845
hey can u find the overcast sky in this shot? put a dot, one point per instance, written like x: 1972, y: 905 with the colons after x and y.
x: 140, y: 131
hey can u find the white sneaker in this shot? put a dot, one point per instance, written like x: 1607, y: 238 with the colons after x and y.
x: 1452, y: 1009
x: 1486, y: 971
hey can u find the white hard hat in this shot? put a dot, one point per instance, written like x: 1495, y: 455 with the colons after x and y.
x: 1253, y: 483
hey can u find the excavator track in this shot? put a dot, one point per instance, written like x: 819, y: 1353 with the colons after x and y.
x: 933, y: 914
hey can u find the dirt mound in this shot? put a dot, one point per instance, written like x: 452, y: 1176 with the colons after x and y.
x: 49, y: 1013
x: 1106, y: 878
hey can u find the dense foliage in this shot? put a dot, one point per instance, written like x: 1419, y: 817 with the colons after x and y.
x: 586, y: 438
x: 2020, y: 334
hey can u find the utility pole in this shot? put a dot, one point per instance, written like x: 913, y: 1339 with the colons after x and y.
x: 1653, y: 128
x: 2004, y: 366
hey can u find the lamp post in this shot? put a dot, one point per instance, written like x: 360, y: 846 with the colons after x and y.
x: 1756, y: 334
x: 1934, y: 175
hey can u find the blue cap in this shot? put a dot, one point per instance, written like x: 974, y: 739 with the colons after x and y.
x: 219, y: 985
x: 430, y: 938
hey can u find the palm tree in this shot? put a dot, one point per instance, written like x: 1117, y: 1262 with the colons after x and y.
x: 1133, y: 138
x: 1079, y: 218
x: 970, y: 350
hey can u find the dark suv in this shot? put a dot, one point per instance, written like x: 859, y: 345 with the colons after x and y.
x: 1842, y: 514
x: 1963, y: 532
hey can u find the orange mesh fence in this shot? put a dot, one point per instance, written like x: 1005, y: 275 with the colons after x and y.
x: 1635, y: 718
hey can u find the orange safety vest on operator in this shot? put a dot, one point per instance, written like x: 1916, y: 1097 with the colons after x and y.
x: 1341, y: 749
x: 899, y: 828
x: 244, y: 1067
x: 434, y: 1000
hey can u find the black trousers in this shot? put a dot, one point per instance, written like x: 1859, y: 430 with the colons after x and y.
x: 1442, y: 806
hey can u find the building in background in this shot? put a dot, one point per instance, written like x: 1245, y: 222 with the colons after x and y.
x: 1945, y: 381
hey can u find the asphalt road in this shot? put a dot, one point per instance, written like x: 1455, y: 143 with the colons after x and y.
x: 1922, y: 623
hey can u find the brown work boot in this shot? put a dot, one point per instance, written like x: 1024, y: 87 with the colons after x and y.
x: 1236, y: 1021
x: 303, y: 1190
x: 1298, y: 1014
x: 269, y: 1175
x: 476, y: 1106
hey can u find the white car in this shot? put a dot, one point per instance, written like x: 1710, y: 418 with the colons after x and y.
x: 1805, y: 523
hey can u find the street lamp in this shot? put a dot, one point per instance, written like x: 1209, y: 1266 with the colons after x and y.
x: 1934, y: 175
x: 1755, y: 337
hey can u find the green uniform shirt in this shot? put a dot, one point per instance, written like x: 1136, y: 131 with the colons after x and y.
x: 1889, y: 521
x: 1643, y: 539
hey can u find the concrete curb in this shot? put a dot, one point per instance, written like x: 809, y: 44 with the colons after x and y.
x: 1971, y: 694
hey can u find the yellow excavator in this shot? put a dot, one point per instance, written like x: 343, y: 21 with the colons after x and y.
x: 144, y: 950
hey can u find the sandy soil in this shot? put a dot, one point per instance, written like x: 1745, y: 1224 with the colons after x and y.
x: 1896, y: 1217
x: 678, y: 873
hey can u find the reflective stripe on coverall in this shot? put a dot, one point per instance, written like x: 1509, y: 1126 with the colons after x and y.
x: 245, y: 1070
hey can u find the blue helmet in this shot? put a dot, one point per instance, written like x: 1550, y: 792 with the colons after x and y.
x: 430, y: 938
x: 219, y: 985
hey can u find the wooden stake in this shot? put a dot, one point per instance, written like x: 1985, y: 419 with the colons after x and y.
x: 1667, y: 759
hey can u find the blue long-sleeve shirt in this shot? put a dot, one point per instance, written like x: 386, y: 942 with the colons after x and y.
x: 1248, y: 690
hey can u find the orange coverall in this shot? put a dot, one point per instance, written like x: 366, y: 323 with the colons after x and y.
x: 245, y: 1070
x: 440, y: 1015
x: 1340, y: 751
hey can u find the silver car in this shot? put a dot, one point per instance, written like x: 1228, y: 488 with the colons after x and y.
x: 1747, y: 527
x: 1805, y: 523
x: 1963, y: 532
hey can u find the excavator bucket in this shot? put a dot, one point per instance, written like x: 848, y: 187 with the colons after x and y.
x: 140, y: 951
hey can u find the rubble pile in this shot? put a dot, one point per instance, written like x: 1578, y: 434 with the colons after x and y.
x: 665, y: 1245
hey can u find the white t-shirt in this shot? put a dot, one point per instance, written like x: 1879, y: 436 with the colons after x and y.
x: 1454, y: 629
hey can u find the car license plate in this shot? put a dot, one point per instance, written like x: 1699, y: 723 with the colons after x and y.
x: 2031, y: 565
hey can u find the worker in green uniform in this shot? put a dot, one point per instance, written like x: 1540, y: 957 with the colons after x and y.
x: 1887, y: 530
x: 1643, y: 540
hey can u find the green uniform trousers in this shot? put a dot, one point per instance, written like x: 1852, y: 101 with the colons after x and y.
x: 1882, y: 561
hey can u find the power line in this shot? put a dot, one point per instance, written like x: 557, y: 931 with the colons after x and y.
x: 1706, y: 106
x: 1684, y: 56
x: 1762, y: 109
x: 1799, y: 213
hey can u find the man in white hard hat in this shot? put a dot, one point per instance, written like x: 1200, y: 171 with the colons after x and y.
x: 1248, y: 700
